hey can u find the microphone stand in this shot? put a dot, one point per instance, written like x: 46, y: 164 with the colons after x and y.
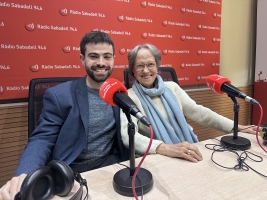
x: 236, y: 141
x: 122, y: 180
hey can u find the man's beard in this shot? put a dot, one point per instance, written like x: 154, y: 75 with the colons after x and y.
x: 98, y: 78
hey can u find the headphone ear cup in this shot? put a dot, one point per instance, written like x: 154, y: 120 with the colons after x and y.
x: 38, y: 184
x: 63, y: 177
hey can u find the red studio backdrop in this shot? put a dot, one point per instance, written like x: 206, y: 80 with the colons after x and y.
x: 42, y: 38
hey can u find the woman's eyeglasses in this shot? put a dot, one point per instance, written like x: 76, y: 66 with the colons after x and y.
x: 141, y: 67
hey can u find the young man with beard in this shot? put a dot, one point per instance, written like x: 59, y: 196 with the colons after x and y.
x: 76, y: 125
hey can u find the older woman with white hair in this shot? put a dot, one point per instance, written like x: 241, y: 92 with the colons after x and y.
x: 166, y: 105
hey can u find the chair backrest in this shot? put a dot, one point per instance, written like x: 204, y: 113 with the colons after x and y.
x: 167, y: 74
x: 37, y: 89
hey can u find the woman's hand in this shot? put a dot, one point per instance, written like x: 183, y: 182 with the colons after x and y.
x: 182, y: 150
x: 248, y: 129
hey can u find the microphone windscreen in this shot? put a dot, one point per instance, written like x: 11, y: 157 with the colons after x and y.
x: 216, y: 81
x: 109, y: 88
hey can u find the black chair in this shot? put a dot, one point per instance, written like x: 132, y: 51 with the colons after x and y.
x: 167, y: 74
x: 37, y: 89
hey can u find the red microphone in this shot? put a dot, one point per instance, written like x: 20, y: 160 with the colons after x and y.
x: 115, y: 93
x: 215, y: 82
x: 220, y: 84
x: 109, y: 88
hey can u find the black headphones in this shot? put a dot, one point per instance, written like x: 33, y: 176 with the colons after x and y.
x: 263, y: 133
x: 57, y: 178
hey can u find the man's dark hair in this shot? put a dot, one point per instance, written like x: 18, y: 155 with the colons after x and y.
x: 95, y: 37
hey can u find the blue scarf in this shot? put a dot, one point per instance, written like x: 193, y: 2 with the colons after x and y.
x: 177, y: 130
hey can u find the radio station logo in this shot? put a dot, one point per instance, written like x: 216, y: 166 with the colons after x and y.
x: 188, y: 10
x: 122, y: 51
x: 166, y: 65
x: 30, y: 27
x: 21, y: 6
x: 214, y: 15
x: 199, y: 27
x: 66, y: 49
x: 120, y: 18
x: 143, y: 4
x: 187, y: 37
x: 156, y: 5
x: 120, y: 66
x: 164, y: 52
x: 157, y: 35
x: 4, y: 67
x: 183, y: 37
x: 63, y: 12
x: 216, y: 40
x: 165, y: 23
x: 144, y: 35
x: 34, y: 68
x: 1, y: 90
x: 199, y: 52
x: 199, y: 78
x: 183, y: 65
x: 171, y: 23
x: 215, y: 65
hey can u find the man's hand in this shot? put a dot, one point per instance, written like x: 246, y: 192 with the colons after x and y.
x: 182, y: 150
x: 11, y: 188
